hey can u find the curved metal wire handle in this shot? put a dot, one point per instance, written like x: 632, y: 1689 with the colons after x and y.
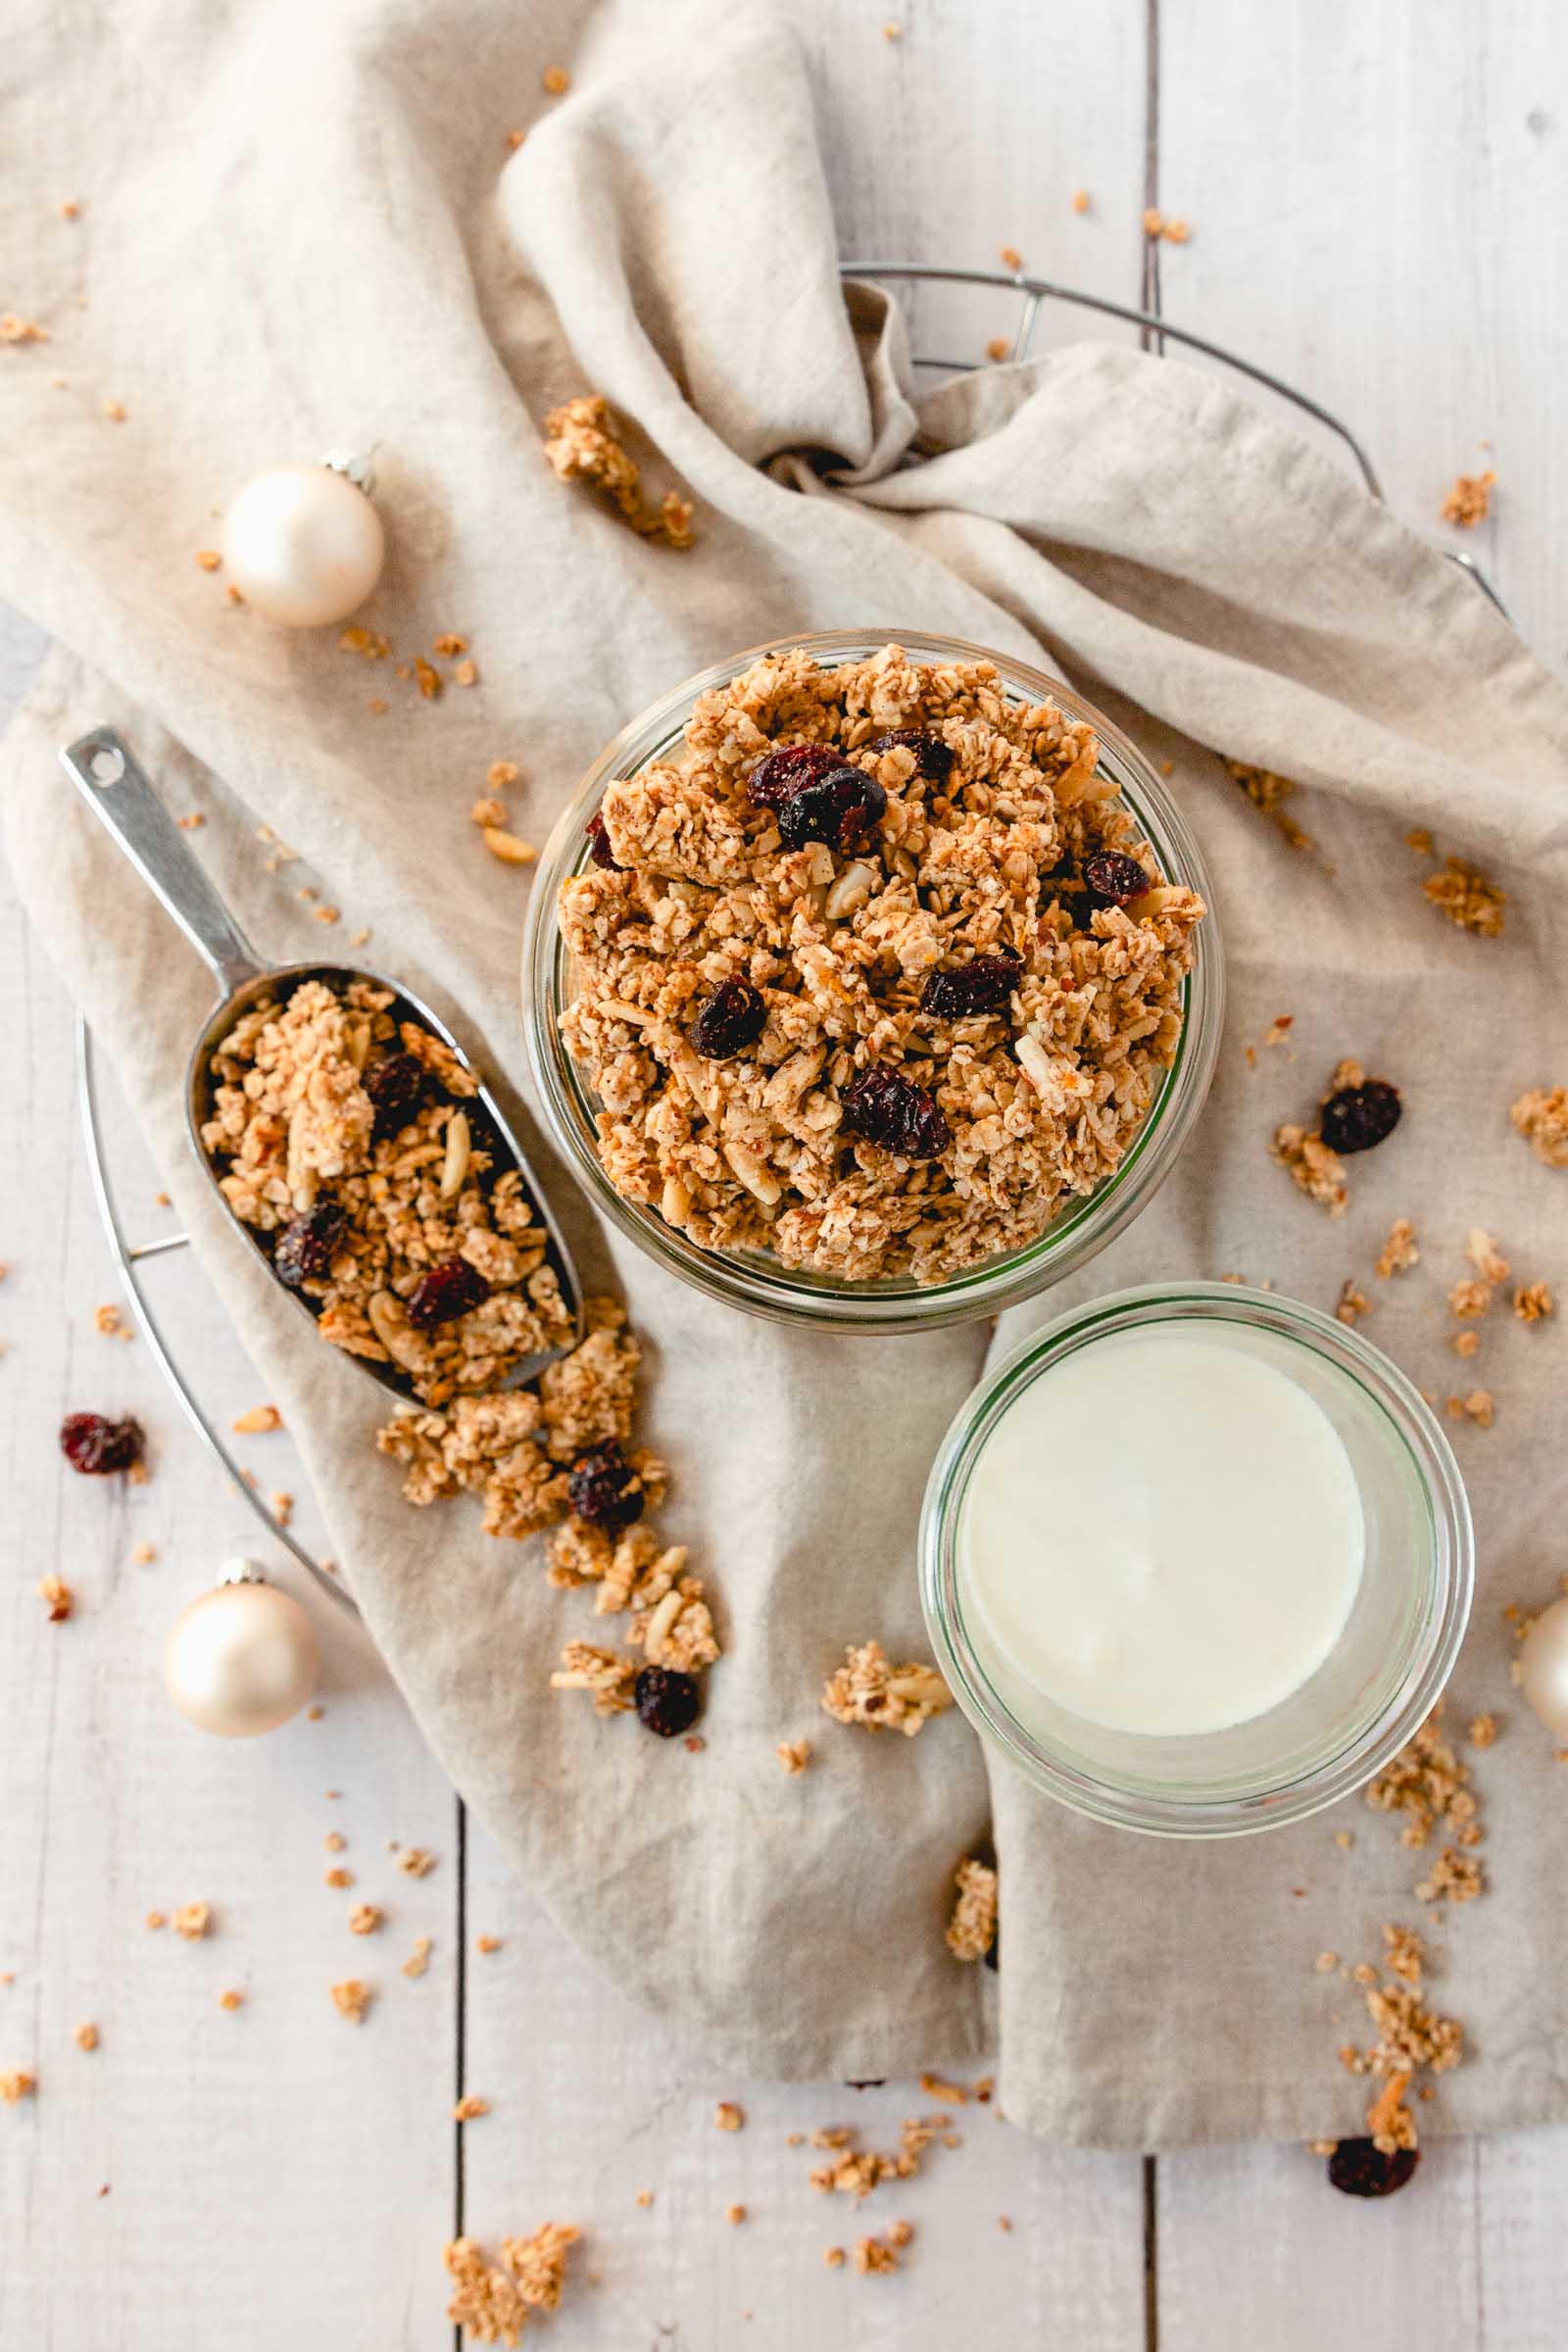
x: 1036, y: 291
x: 128, y: 1258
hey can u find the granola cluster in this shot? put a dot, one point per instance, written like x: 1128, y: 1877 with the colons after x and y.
x: 870, y: 1690
x: 983, y: 817
x: 1542, y: 1118
x: 351, y: 1142
x: 582, y: 442
x: 1412, y: 2038
x: 972, y: 1929
x: 492, y: 2304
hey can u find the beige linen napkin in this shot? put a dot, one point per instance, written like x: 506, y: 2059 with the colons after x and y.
x: 334, y: 245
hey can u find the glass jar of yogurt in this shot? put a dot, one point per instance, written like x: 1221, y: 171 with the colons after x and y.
x: 1197, y: 1559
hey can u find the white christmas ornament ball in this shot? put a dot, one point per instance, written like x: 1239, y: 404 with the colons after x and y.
x: 1543, y: 1667
x: 242, y: 1658
x: 304, y: 545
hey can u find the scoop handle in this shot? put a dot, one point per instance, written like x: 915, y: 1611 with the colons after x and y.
x: 105, y: 772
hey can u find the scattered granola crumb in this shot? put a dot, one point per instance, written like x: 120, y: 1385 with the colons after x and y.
x: 418, y: 1960
x: 1154, y: 221
x: 209, y: 557
x: 21, y: 330
x: 351, y: 1999
x: 468, y: 2107
x: 335, y: 1841
x: 1483, y: 1730
x: 644, y: 2198
x: 1344, y: 1839
x: 70, y: 208
x: 1428, y: 1783
x: 234, y: 594
x: 972, y: 1929
x: 231, y: 2000
x: 428, y: 676
x: 156, y: 1919
x: 735, y: 2213
x: 855, y: 2171
x: 16, y: 2083
x: 1268, y: 792
x: 487, y: 811
x: 867, y: 1690
x: 874, y: 2257
x: 500, y: 773
x: 1315, y: 1166
x: 325, y: 914
x: 1398, y: 1253
x: 892, y: 31
x: 85, y: 2038
x: 493, y: 2303
x: 142, y: 1555
x: 416, y: 1861
x: 59, y: 1598
x: 834, y: 2256
x: 487, y: 1944
x: 1542, y: 1118
x: 1279, y: 1029
x: 1469, y: 1298
x: 1010, y: 257
x: 794, y: 1755
x: 360, y: 939
x: 258, y: 1419
x: 946, y: 2095
x: 1456, y: 1878
x: 1080, y: 200
x: 584, y: 444
x: 1465, y: 895
x: 466, y: 673
x: 1354, y: 1301
x: 1470, y: 500
x: 1326, y: 1962
x: 111, y: 1321
x: 282, y: 1507
x: 727, y: 2117
x: 115, y: 411
x: 365, y: 1919
x: 339, y: 1877
x: 1177, y: 232
x: 193, y: 1921
x: 1466, y: 1342
x: 1480, y: 1407
x: 450, y: 643
x: 997, y: 348
x: 556, y: 80
x: 1533, y: 1302
x: 1482, y: 1251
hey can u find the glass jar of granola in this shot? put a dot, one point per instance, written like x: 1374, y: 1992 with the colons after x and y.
x: 872, y: 985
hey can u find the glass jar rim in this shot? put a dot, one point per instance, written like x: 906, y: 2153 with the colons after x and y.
x: 757, y: 1284
x: 1434, y: 1643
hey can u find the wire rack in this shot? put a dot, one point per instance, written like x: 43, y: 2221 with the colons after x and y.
x: 1031, y: 295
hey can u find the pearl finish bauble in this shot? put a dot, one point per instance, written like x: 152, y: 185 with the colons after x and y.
x: 243, y: 1658
x: 1543, y: 1667
x: 304, y: 545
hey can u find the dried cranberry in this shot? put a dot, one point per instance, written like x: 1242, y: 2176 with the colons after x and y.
x: 982, y: 985
x: 932, y: 757
x: 668, y: 1701
x: 840, y: 808
x: 1115, y: 879
x: 1360, y: 2169
x: 448, y: 1291
x: 777, y: 778
x: 397, y: 1086
x: 599, y: 849
x: 306, y: 1246
x: 604, y: 1488
x: 1359, y: 1116
x: 96, y: 1446
x: 733, y: 1017
x: 885, y: 1107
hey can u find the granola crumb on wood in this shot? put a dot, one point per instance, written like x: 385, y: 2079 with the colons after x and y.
x: 416, y: 1861
x: 492, y: 2304
x: 58, y: 1597
x: 973, y: 1927
x: 727, y: 2117
x: 470, y: 2107
x: 351, y: 1999
x: 418, y: 1960
x: 946, y: 2095
x: 85, y: 2038
x: 193, y: 1921
x: 1469, y: 500
x: 16, y: 2083
x: 868, y: 1691
x: 338, y: 1879
x: 365, y: 1919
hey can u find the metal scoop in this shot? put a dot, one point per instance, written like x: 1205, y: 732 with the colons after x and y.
x: 120, y: 795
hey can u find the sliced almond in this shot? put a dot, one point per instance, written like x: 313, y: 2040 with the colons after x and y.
x: 752, y: 1173
x: 918, y: 1686
x: 392, y: 1328
x: 676, y: 1203
x: 507, y: 847
x: 850, y: 892
x: 659, y: 1625
x: 455, y: 1167
x: 359, y: 1042
x: 260, y: 1417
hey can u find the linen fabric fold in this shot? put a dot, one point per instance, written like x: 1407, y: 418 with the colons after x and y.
x: 337, y: 244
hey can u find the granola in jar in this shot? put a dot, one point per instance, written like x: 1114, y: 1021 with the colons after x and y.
x: 876, y: 975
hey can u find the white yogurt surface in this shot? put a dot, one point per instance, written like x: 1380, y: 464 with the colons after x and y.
x: 1163, y: 1534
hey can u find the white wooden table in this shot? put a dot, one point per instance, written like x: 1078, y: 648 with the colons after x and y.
x: 1377, y: 198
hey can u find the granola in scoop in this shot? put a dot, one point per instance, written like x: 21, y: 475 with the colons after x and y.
x: 351, y: 1142
x: 865, y: 1007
